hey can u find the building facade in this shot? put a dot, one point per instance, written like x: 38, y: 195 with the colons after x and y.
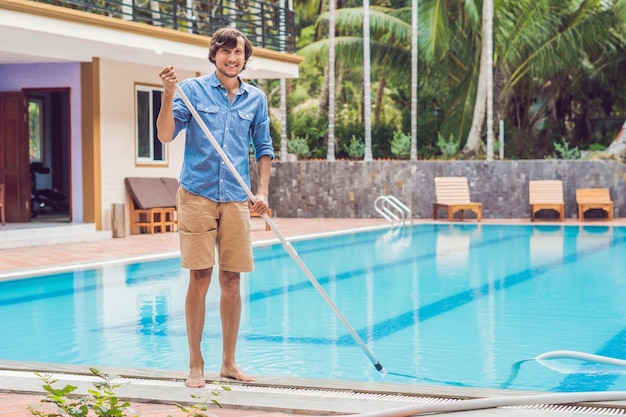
x: 79, y: 92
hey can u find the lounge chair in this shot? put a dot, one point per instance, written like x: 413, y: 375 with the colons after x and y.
x: 452, y: 193
x: 546, y: 195
x: 153, y: 204
x: 594, y: 198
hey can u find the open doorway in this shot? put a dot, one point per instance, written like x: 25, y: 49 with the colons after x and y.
x: 49, y: 154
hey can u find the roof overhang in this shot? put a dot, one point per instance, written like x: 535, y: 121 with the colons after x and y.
x: 40, y: 33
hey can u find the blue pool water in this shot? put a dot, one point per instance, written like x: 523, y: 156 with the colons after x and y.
x: 442, y: 304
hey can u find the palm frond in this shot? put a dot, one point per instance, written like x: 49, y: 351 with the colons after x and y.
x: 384, y: 25
x: 349, y: 50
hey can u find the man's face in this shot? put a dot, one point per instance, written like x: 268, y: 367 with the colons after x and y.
x: 229, y: 62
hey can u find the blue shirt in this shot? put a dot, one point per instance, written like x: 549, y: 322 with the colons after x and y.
x: 234, y: 125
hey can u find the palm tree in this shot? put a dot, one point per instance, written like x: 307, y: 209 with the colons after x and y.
x: 389, y: 37
x: 545, y: 51
x: 414, y: 77
x: 283, y: 95
x: 308, y: 9
x: 447, y: 42
x: 330, y: 156
x: 367, y: 76
x: 488, y: 51
x: 484, y: 91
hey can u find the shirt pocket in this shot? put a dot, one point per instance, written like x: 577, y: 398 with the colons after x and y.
x: 244, y: 122
x: 209, y: 114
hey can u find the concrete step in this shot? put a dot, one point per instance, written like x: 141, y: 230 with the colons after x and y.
x: 16, y: 235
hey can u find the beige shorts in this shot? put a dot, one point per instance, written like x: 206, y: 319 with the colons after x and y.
x: 204, y: 225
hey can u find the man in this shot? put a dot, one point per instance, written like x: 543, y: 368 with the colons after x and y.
x: 213, y: 209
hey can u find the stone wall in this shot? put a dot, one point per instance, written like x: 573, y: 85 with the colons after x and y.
x: 349, y: 188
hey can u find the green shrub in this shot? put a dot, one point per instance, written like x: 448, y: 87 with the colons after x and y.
x: 449, y: 148
x: 401, y: 144
x: 496, y: 148
x: 307, y: 124
x: 564, y: 151
x: 356, y: 149
x: 102, y: 400
x: 597, y: 147
x: 195, y: 410
x: 299, y: 146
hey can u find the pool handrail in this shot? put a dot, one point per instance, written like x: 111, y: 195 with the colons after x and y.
x: 392, y: 209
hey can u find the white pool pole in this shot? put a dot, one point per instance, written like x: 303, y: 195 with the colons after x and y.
x: 286, y: 245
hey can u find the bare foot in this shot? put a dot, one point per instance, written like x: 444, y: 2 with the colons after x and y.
x: 195, y: 379
x: 236, y: 373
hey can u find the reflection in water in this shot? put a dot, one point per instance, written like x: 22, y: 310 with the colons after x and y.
x: 453, y: 249
x: 591, y: 236
x: 546, y: 245
x: 395, y: 244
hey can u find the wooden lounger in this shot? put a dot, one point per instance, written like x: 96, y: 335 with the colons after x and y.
x: 594, y: 198
x: 452, y: 193
x: 153, y: 207
x: 546, y: 195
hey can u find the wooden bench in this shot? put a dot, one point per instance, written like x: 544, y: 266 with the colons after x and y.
x: 153, y: 207
x: 594, y: 198
x: 546, y: 195
x: 452, y: 193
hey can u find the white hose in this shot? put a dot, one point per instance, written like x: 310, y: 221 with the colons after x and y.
x: 515, y: 400
x: 493, y: 402
x: 544, y: 359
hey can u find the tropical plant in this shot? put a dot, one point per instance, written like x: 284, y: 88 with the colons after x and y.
x: 356, y: 148
x: 401, y: 144
x: 563, y: 150
x: 103, y: 401
x: 483, y: 106
x: 203, y: 402
x: 299, y: 146
x: 350, y: 42
x: 552, y: 61
x: 565, y: 46
x: 596, y: 147
x: 450, y: 147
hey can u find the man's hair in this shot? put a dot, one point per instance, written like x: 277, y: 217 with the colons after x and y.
x: 227, y: 38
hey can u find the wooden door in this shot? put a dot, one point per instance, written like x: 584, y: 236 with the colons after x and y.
x: 14, y: 159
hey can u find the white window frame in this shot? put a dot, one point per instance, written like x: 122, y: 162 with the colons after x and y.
x: 150, y: 154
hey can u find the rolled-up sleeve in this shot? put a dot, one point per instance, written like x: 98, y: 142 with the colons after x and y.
x: 260, y: 131
x: 182, y: 115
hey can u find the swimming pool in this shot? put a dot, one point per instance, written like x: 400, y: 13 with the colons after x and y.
x: 442, y: 304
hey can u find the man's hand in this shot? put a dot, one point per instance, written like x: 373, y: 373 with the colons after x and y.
x: 261, y: 205
x: 165, y: 119
x: 169, y: 78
